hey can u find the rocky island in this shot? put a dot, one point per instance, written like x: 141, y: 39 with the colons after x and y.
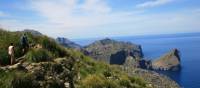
x: 170, y: 61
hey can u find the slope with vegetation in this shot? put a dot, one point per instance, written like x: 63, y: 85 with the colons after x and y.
x: 49, y: 65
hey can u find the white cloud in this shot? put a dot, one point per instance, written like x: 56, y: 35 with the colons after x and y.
x: 95, y: 18
x: 96, y: 6
x: 153, y: 3
x: 71, y: 13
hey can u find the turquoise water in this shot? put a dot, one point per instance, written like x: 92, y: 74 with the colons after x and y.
x: 155, y: 46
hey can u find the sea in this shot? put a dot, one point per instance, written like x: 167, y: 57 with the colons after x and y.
x: 155, y: 46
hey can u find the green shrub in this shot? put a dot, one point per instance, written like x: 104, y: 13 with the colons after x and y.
x: 17, y: 79
x: 5, y: 79
x: 93, y: 81
x: 24, y: 81
x: 138, y: 81
x: 4, y: 58
x: 124, y: 81
x: 38, y: 55
x: 107, y: 73
x: 55, y: 84
x: 53, y: 47
x: 111, y: 84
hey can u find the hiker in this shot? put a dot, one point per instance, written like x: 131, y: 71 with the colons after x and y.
x: 11, y: 54
x: 24, y: 43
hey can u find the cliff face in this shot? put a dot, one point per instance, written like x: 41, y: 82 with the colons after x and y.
x: 113, y: 52
x: 128, y: 54
x: 170, y: 61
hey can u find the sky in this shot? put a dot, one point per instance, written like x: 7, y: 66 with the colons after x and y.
x: 101, y: 18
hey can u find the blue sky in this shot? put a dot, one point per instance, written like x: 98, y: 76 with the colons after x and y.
x: 101, y: 18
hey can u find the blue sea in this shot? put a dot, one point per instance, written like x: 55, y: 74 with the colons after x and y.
x: 155, y: 46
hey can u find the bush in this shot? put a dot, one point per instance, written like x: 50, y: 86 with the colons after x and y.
x: 55, y: 84
x: 107, y: 73
x: 93, y: 81
x: 24, y: 81
x: 17, y: 79
x: 111, y: 84
x: 124, y: 81
x: 4, y: 58
x: 5, y: 79
x: 53, y: 47
x: 38, y: 55
x: 138, y: 81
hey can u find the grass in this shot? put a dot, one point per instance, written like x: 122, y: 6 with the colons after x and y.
x: 92, y: 74
x: 101, y: 75
x: 16, y: 79
x: 48, y: 44
x: 39, y: 55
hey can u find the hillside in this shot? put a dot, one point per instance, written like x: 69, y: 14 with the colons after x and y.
x: 49, y: 65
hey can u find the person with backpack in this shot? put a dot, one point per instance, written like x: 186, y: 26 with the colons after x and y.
x: 24, y: 43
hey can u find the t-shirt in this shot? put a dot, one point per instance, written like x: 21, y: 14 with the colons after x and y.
x: 10, y: 50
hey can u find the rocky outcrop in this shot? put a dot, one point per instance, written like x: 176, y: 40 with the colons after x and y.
x: 67, y: 43
x: 33, y: 32
x: 131, y: 62
x: 170, y: 61
x: 155, y: 80
x: 113, y: 52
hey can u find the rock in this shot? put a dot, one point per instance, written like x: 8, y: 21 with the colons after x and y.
x: 155, y: 80
x: 170, y: 61
x: 15, y: 66
x: 145, y: 64
x: 113, y: 52
x: 33, y: 32
x: 131, y: 62
x: 66, y: 84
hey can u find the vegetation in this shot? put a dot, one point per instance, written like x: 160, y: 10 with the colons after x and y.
x: 51, y: 65
x: 48, y: 44
x: 16, y: 79
x: 5, y: 39
x: 38, y: 55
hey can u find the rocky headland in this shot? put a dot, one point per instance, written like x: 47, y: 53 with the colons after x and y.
x: 112, y: 51
x: 169, y: 61
x: 129, y: 54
